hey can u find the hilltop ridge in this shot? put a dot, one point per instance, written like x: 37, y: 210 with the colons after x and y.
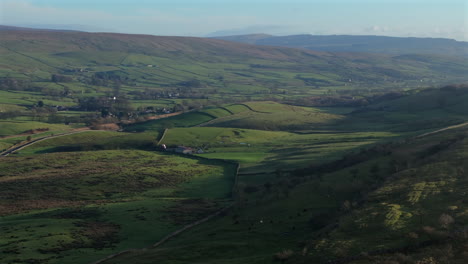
x: 358, y: 43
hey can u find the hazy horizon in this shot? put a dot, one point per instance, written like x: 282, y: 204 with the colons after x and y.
x: 413, y: 18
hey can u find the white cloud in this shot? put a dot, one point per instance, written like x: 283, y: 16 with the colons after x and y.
x: 377, y: 29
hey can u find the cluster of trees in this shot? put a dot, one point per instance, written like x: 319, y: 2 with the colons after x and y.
x: 20, y: 84
x: 108, y: 106
x: 15, y: 84
x: 352, y: 98
x: 193, y: 83
x: 60, y: 78
x: 329, y: 101
x: 109, y: 79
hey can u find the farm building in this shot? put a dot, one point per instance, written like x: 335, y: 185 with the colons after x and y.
x: 184, y: 150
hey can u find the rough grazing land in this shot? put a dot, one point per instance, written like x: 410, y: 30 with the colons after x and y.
x: 75, y: 207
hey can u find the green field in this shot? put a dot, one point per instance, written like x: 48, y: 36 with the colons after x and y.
x: 186, y: 120
x: 94, y: 140
x: 259, y: 150
x: 275, y: 116
x: 8, y: 128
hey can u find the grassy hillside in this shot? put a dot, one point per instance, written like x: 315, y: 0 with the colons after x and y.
x: 427, y: 109
x: 142, y: 61
x: 394, y: 203
x: 275, y: 116
x: 260, y: 151
x: 418, y: 204
x: 93, y: 141
x: 80, y: 206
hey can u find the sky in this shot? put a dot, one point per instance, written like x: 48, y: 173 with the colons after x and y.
x: 416, y: 18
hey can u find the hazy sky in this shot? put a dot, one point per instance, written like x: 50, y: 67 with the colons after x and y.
x: 421, y: 18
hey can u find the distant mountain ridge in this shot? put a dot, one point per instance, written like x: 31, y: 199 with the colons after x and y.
x: 365, y: 44
x: 15, y: 28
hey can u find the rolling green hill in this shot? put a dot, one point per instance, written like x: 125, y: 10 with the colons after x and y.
x: 142, y: 61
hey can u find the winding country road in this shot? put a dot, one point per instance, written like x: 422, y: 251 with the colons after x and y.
x: 442, y: 129
x: 23, y: 145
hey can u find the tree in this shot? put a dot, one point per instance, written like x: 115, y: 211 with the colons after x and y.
x: 104, y: 112
x: 60, y: 78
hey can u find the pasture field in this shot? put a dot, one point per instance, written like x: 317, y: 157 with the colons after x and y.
x: 259, y: 150
x: 31, y: 98
x: 75, y: 207
x: 11, y: 107
x: 216, y: 112
x: 94, y: 140
x: 236, y: 108
x: 14, y: 127
x: 252, y: 115
x: 17, y: 131
x: 276, y: 116
x: 185, y: 120
x: 381, y: 199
